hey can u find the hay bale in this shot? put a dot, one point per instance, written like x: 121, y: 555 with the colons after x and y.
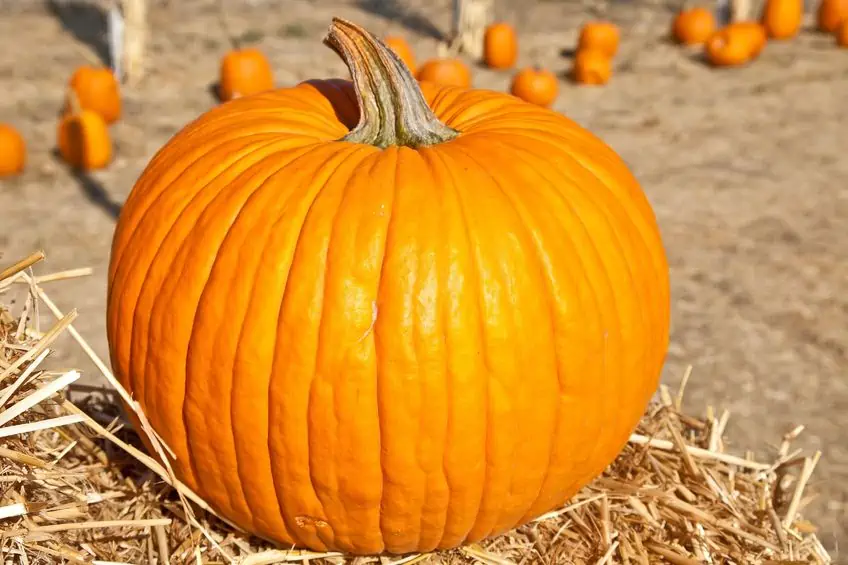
x: 79, y: 489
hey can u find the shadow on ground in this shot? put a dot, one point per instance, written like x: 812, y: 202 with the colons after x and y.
x: 94, y: 191
x: 86, y: 21
x: 407, y: 17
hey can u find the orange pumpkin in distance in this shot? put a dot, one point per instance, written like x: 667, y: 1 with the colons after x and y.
x: 402, y: 49
x: 830, y: 14
x: 394, y: 329
x: 500, y: 46
x: 83, y: 140
x: 736, y: 44
x: 782, y: 18
x: 96, y: 89
x: 535, y: 85
x: 13, y: 155
x: 693, y: 26
x: 599, y: 36
x: 445, y: 72
x: 841, y: 34
x: 591, y: 67
x: 244, y: 72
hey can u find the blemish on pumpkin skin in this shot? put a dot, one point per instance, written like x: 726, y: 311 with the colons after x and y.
x: 309, y: 521
x: 373, y: 321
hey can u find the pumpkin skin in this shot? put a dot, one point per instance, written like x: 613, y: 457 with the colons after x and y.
x: 830, y: 14
x: 365, y: 350
x: 841, y: 34
x: 402, y: 50
x: 736, y: 44
x: 535, y: 85
x: 244, y: 72
x: 445, y: 72
x: 599, y: 36
x: 97, y: 89
x: 13, y: 154
x: 591, y: 67
x: 693, y: 26
x: 83, y: 140
x: 500, y: 46
x: 782, y: 18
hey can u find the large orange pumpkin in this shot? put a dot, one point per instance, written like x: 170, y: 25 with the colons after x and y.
x: 782, y: 18
x: 389, y: 329
x: 13, y: 155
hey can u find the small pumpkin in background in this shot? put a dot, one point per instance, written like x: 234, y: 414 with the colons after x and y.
x: 736, y: 44
x: 693, y: 26
x: 535, y: 85
x: 402, y: 49
x: 500, y: 46
x: 83, y: 137
x: 244, y: 71
x: 782, y: 18
x: 599, y: 36
x: 591, y: 67
x: 445, y: 72
x: 841, y: 34
x: 96, y: 89
x: 830, y: 15
x: 13, y: 155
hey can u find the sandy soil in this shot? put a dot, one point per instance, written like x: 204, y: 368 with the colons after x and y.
x: 746, y: 169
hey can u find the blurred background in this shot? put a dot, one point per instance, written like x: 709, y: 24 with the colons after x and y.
x: 746, y: 168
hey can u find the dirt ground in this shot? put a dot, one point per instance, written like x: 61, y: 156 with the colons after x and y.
x: 746, y: 169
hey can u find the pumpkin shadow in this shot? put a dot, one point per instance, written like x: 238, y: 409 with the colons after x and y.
x: 214, y: 90
x: 92, y: 189
x: 568, y: 52
x: 86, y: 21
x: 394, y: 11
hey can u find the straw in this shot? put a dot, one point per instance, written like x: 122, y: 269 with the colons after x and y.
x: 79, y: 488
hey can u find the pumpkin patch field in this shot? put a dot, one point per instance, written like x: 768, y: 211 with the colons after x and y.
x: 328, y: 282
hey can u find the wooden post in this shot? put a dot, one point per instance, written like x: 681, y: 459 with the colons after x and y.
x: 135, y: 39
x: 470, y: 18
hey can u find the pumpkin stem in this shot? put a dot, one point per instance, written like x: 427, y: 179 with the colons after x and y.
x: 392, y: 107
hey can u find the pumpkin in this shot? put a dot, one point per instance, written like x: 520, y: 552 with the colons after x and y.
x: 83, y: 138
x: 599, y: 36
x: 591, y: 67
x: 13, y: 154
x: 402, y: 49
x: 244, y: 71
x: 446, y: 72
x: 500, y: 46
x: 736, y: 44
x: 693, y: 26
x: 383, y: 315
x: 535, y: 85
x: 830, y: 14
x: 841, y: 34
x: 96, y: 89
x: 782, y: 18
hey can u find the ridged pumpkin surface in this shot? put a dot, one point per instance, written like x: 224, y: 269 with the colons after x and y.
x: 397, y: 350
